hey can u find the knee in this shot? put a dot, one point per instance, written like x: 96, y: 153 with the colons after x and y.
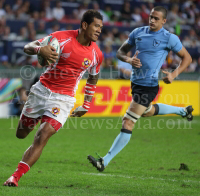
x: 20, y: 135
x: 127, y: 124
x: 150, y: 113
x: 44, y: 133
x: 147, y: 114
x: 22, y: 130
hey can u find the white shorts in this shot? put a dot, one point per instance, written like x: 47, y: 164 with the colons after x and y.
x: 41, y: 101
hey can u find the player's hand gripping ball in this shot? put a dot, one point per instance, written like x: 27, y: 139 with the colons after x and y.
x: 51, y: 56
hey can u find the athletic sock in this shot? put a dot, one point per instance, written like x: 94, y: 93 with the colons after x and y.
x: 168, y: 109
x: 120, y: 142
x: 21, y: 170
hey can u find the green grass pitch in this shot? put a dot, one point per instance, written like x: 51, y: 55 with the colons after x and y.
x: 147, y: 166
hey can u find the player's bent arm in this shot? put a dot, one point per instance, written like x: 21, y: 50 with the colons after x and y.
x: 48, y: 52
x: 90, y: 88
x: 186, y: 60
x: 88, y: 95
x: 122, y: 52
x: 30, y: 48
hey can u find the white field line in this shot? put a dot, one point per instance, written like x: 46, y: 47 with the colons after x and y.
x: 138, y: 177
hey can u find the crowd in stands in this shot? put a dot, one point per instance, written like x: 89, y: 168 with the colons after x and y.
x: 183, y: 20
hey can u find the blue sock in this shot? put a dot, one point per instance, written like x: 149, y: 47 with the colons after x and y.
x: 168, y: 109
x: 120, y: 142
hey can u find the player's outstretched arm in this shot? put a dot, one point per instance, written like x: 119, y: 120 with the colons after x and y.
x: 47, y: 52
x: 89, y: 92
x: 122, y: 55
x: 186, y: 59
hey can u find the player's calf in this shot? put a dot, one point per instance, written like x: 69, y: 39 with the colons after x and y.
x: 41, y: 138
x: 150, y: 111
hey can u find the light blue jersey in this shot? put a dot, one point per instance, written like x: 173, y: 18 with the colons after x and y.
x: 153, y: 48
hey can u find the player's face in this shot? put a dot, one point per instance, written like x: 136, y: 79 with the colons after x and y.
x: 93, y: 30
x: 156, y: 20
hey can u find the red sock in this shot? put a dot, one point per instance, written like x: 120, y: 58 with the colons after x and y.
x: 21, y: 170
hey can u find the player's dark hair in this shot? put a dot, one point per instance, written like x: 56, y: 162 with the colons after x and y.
x: 89, y: 16
x: 161, y: 9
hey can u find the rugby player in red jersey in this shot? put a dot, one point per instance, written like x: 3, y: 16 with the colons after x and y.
x: 52, y: 97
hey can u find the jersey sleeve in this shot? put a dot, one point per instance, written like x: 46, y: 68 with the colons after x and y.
x: 174, y: 43
x: 132, y: 36
x: 97, y: 61
x: 40, y: 40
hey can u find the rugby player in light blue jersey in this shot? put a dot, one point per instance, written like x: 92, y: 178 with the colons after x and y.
x: 153, y: 44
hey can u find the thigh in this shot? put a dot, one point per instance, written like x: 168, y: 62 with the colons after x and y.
x: 144, y: 95
x: 137, y: 108
x: 57, y: 110
x: 31, y: 113
x: 34, y: 106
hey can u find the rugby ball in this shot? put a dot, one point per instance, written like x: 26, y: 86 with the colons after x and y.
x: 49, y: 40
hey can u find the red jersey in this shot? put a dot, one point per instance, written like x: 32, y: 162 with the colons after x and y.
x: 63, y: 77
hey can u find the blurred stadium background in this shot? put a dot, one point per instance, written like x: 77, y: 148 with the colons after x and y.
x: 25, y: 21
x: 150, y: 163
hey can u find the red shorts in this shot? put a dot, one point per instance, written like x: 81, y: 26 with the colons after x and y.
x: 32, y: 122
